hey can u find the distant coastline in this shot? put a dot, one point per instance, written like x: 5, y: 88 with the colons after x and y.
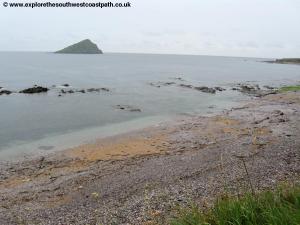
x: 286, y: 61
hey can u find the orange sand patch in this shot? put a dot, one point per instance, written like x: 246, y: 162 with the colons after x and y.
x: 120, y: 149
x: 13, y: 182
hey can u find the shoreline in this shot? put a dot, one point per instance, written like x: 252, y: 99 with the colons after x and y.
x: 141, y: 176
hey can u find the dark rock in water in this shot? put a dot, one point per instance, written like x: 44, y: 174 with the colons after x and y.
x: 206, y: 89
x: 159, y: 84
x: 246, y: 88
x: 82, y: 91
x: 65, y: 85
x: 154, y: 85
x: 104, y: 89
x: 5, y: 92
x: 186, y: 85
x: 135, y: 110
x: 97, y: 89
x: 220, y: 89
x: 35, y: 89
x: 168, y: 83
x: 128, y: 108
x: 82, y: 47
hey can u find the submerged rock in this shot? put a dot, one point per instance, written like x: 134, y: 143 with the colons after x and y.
x: 35, y: 89
x: 128, y: 108
x: 159, y: 84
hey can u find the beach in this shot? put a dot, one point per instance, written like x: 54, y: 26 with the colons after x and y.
x: 142, y: 176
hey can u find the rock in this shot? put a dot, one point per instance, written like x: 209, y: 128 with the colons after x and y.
x: 65, y: 85
x: 186, y: 85
x: 5, y: 92
x: 93, y: 90
x: 128, y: 108
x: 154, y: 85
x: 105, y: 89
x: 168, y: 83
x: 206, y: 89
x: 159, y: 84
x: 97, y: 89
x: 35, y: 89
x: 135, y: 110
x: 81, y: 91
x: 82, y: 47
x: 220, y: 89
x: 246, y: 88
x: 254, y: 90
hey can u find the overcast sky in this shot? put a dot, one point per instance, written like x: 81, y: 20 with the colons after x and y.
x: 257, y: 28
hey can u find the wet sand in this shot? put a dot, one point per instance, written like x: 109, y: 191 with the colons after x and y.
x: 140, y: 177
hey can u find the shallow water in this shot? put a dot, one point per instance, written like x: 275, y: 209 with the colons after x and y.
x: 31, y: 122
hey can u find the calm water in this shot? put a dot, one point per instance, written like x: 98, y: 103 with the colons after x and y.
x: 28, y: 122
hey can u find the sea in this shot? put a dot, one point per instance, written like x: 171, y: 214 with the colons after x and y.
x: 41, y: 123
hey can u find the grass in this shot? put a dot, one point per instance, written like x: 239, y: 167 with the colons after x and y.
x: 290, y: 88
x: 279, y: 207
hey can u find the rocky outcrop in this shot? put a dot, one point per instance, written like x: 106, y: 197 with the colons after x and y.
x: 206, y: 89
x: 254, y: 90
x: 5, y: 92
x: 34, y: 90
x: 220, y: 89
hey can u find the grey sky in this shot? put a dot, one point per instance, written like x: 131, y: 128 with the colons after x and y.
x: 259, y: 28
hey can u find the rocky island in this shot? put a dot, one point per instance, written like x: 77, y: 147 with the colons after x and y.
x: 83, y: 47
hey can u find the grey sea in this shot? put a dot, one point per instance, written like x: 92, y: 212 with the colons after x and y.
x: 33, y: 124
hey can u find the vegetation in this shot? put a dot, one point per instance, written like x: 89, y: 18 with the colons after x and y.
x: 82, y: 47
x: 290, y: 88
x: 279, y: 207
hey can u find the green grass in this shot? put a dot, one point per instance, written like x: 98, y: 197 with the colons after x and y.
x: 290, y: 88
x: 280, y: 207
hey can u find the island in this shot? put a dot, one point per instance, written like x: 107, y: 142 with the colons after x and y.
x: 83, y: 47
